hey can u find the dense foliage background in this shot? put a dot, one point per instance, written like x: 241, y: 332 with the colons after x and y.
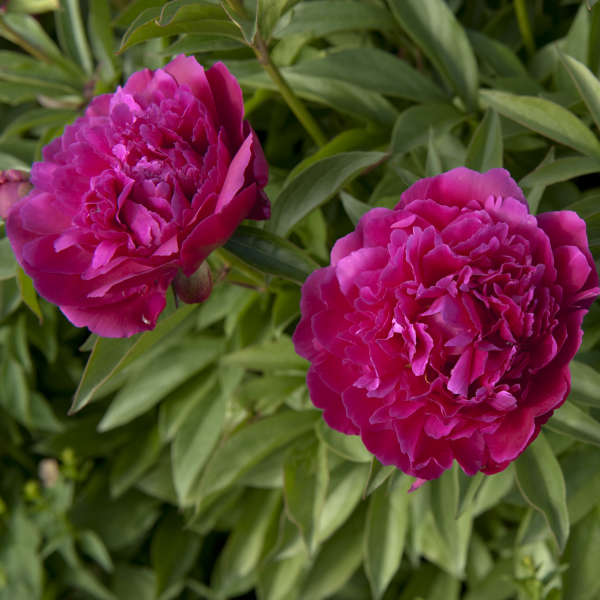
x: 188, y: 462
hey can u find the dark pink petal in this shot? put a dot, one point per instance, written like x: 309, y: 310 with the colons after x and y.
x: 461, y: 186
x: 512, y: 437
x: 228, y: 101
x: 324, y: 397
x: 123, y: 319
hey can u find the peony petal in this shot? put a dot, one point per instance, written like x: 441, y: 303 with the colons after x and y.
x: 461, y: 186
x: 228, y: 101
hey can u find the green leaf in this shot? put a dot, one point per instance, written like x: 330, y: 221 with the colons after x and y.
x: 14, y: 393
x: 33, y: 7
x: 305, y: 479
x: 314, y: 186
x: 585, y: 381
x: 236, y: 567
x: 434, y: 28
x: 179, y: 16
x: 580, y: 580
x: 412, y: 126
x: 547, y: 118
x: 25, y: 31
x: 102, y: 39
x: 8, y: 262
x: 454, y: 532
x: 486, y: 148
x: 271, y: 254
x: 375, y: 70
x: 587, y: 85
x: 94, y: 547
x: 433, y: 164
x: 349, y: 447
x: 196, y: 439
x: 497, y: 55
x: 542, y: 484
x: 72, y: 34
x: 8, y: 162
x: 468, y: 486
x: 354, y: 208
x: 348, y: 140
x: 38, y: 118
x: 134, y: 582
x: 246, y: 22
x: 323, y: 17
x: 133, y: 461
x: 110, y: 356
x: 160, y: 377
x: 562, y: 169
x: 251, y: 444
x: 358, y: 102
x: 173, y: 552
x: 28, y: 293
x: 571, y: 420
x: 278, y: 579
x: 278, y: 355
x: 177, y: 406
x: 346, y: 485
x: 581, y: 468
x: 385, y: 532
x: 337, y: 559
x: 193, y: 43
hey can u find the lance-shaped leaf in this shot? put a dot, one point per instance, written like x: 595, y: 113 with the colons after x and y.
x: 315, y: 185
x: 486, y: 148
x: 541, y: 481
x: 545, y: 117
x: 434, y: 28
x: 305, y: 478
x: 271, y: 254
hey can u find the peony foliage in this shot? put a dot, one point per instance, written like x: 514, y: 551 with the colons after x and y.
x: 297, y: 299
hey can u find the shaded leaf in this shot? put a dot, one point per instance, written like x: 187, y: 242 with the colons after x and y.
x: 323, y: 17
x: 316, y: 185
x: 541, y: 481
x: 271, y: 254
x: 571, y: 420
x: 486, y: 147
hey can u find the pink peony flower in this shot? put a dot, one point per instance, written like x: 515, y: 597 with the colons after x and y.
x: 145, y: 185
x: 13, y: 186
x: 443, y: 329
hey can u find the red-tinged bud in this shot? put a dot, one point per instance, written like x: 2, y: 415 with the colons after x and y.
x: 195, y: 288
x: 14, y: 185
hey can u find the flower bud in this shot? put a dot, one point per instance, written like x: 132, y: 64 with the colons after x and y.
x: 195, y: 288
x: 14, y: 185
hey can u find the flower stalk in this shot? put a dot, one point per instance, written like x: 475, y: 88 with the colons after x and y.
x: 295, y: 104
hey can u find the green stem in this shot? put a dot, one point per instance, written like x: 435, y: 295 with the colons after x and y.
x: 295, y: 104
x: 524, y: 26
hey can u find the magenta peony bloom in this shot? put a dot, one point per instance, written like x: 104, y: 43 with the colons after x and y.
x: 443, y: 329
x: 145, y: 185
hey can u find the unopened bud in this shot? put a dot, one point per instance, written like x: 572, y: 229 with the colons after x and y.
x: 195, y: 288
x: 13, y: 186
